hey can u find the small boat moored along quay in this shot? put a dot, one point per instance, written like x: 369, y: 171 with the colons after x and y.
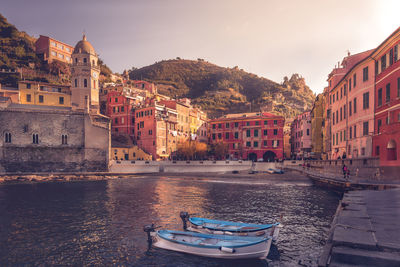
x: 218, y: 227
x: 209, y: 245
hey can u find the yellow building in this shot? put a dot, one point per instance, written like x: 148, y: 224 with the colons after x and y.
x: 129, y: 153
x: 317, y: 113
x: 44, y: 94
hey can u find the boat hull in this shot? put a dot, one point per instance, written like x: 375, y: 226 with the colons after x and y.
x: 257, y: 251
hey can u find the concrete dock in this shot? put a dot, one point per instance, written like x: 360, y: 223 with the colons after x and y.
x: 365, y: 230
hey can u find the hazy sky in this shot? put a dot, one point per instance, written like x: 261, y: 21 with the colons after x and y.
x: 270, y: 38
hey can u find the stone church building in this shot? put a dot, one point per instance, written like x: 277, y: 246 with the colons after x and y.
x: 59, y: 139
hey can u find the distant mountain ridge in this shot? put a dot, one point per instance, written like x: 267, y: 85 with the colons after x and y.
x: 219, y: 90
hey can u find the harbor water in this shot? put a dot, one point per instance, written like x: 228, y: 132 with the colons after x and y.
x: 101, y: 222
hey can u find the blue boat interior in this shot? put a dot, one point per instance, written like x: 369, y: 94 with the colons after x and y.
x: 229, y: 226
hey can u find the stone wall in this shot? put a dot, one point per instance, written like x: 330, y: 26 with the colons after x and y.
x: 50, y: 154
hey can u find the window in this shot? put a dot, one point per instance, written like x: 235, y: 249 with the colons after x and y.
x: 219, y: 125
x: 265, y: 132
x: 341, y: 92
x: 341, y: 136
x: 226, y: 135
x: 219, y: 136
x: 255, y: 133
x: 122, y: 120
x: 337, y: 116
x: 35, y: 139
x: 308, y: 131
x: 365, y: 74
x: 380, y: 97
x: 376, y: 67
x: 28, y: 86
x: 84, y: 82
x: 248, y: 144
x: 7, y: 137
x: 236, y: 135
x: 54, y: 54
x: 227, y: 125
x: 247, y: 133
x: 388, y: 93
x: 391, y: 57
x: 398, y: 87
x: 76, y: 82
x: 340, y: 114
x: 275, y: 131
x: 383, y: 63
x: 355, y: 105
x: 28, y: 98
x: 354, y: 80
x: 84, y: 60
x: 247, y: 123
x: 344, y: 111
x: 330, y: 99
x: 265, y: 142
x: 64, y: 139
x: 377, y: 152
x: 395, y: 54
x: 255, y: 144
x: 345, y: 89
x: 265, y: 122
x: 53, y: 44
x: 150, y: 132
x: 213, y: 136
x: 365, y: 128
x: 351, y: 132
x: 41, y: 99
x: 355, y: 131
x: 236, y: 124
x: 379, y: 126
x: 337, y: 95
x: 116, y: 120
x: 76, y: 60
x: 122, y: 109
x: 213, y: 126
x: 275, y: 122
x: 337, y: 138
x: 257, y: 123
x: 61, y: 100
x: 350, y: 108
x: 350, y: 85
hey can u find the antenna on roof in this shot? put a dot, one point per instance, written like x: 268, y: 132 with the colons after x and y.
x: 348, y: 52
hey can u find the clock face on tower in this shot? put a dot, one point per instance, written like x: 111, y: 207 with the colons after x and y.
x: 94, y: 75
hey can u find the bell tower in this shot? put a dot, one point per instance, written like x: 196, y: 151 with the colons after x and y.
x: 85, y: 73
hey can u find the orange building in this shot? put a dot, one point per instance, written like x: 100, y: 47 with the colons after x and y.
x: 50, y: 49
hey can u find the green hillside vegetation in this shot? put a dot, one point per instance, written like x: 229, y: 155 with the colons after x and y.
x: 219, y: 90
x: 16, y: 48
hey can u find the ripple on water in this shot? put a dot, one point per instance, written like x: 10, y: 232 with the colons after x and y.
x: 100, y: 222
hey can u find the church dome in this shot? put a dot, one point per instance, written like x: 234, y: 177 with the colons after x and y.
x: 83, y: 46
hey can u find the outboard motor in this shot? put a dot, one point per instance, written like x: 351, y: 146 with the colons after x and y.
x: 149, y: 229
x: 184, y: 216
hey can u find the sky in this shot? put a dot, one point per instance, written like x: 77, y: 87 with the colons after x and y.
x: 270, y: 38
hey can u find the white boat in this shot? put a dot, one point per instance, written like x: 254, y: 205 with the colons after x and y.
x: 214, y: 246
x: 218, y: 227
x: 272, y: 171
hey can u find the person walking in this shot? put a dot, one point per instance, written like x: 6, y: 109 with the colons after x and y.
x: 344, y: 171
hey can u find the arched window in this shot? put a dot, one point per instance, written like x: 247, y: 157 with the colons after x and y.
x: 76, y: 82
x: 391, y: 150
x: 84, y: 82
x: 7, y: 137
x: 84, y: 60
x: 35, y: 139
x: 64, y: 139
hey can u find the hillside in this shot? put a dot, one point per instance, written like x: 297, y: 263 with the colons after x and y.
x: 219, y: 90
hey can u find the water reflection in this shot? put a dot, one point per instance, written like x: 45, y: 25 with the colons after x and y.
x: 100, y: 223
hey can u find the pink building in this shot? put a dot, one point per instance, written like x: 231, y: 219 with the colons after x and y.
x: 351, y: 103
x: 301, y: 136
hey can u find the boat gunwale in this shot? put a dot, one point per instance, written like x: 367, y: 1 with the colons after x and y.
x: 261, y: 239
x: 261, y: 227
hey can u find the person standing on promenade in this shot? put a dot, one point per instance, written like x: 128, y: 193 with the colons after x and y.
x: 344, y: 171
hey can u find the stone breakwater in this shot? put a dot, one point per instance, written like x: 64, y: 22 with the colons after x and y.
x: 48, y: 177
x: 365, y: 230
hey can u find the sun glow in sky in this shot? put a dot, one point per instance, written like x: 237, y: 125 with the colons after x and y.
x: 270, y: 38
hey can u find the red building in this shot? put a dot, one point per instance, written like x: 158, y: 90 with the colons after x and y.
x: 387, y: 101
x: 121, y: 110
x: 156, y: 129
x: 252, y: 136
x: 50, y: 49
